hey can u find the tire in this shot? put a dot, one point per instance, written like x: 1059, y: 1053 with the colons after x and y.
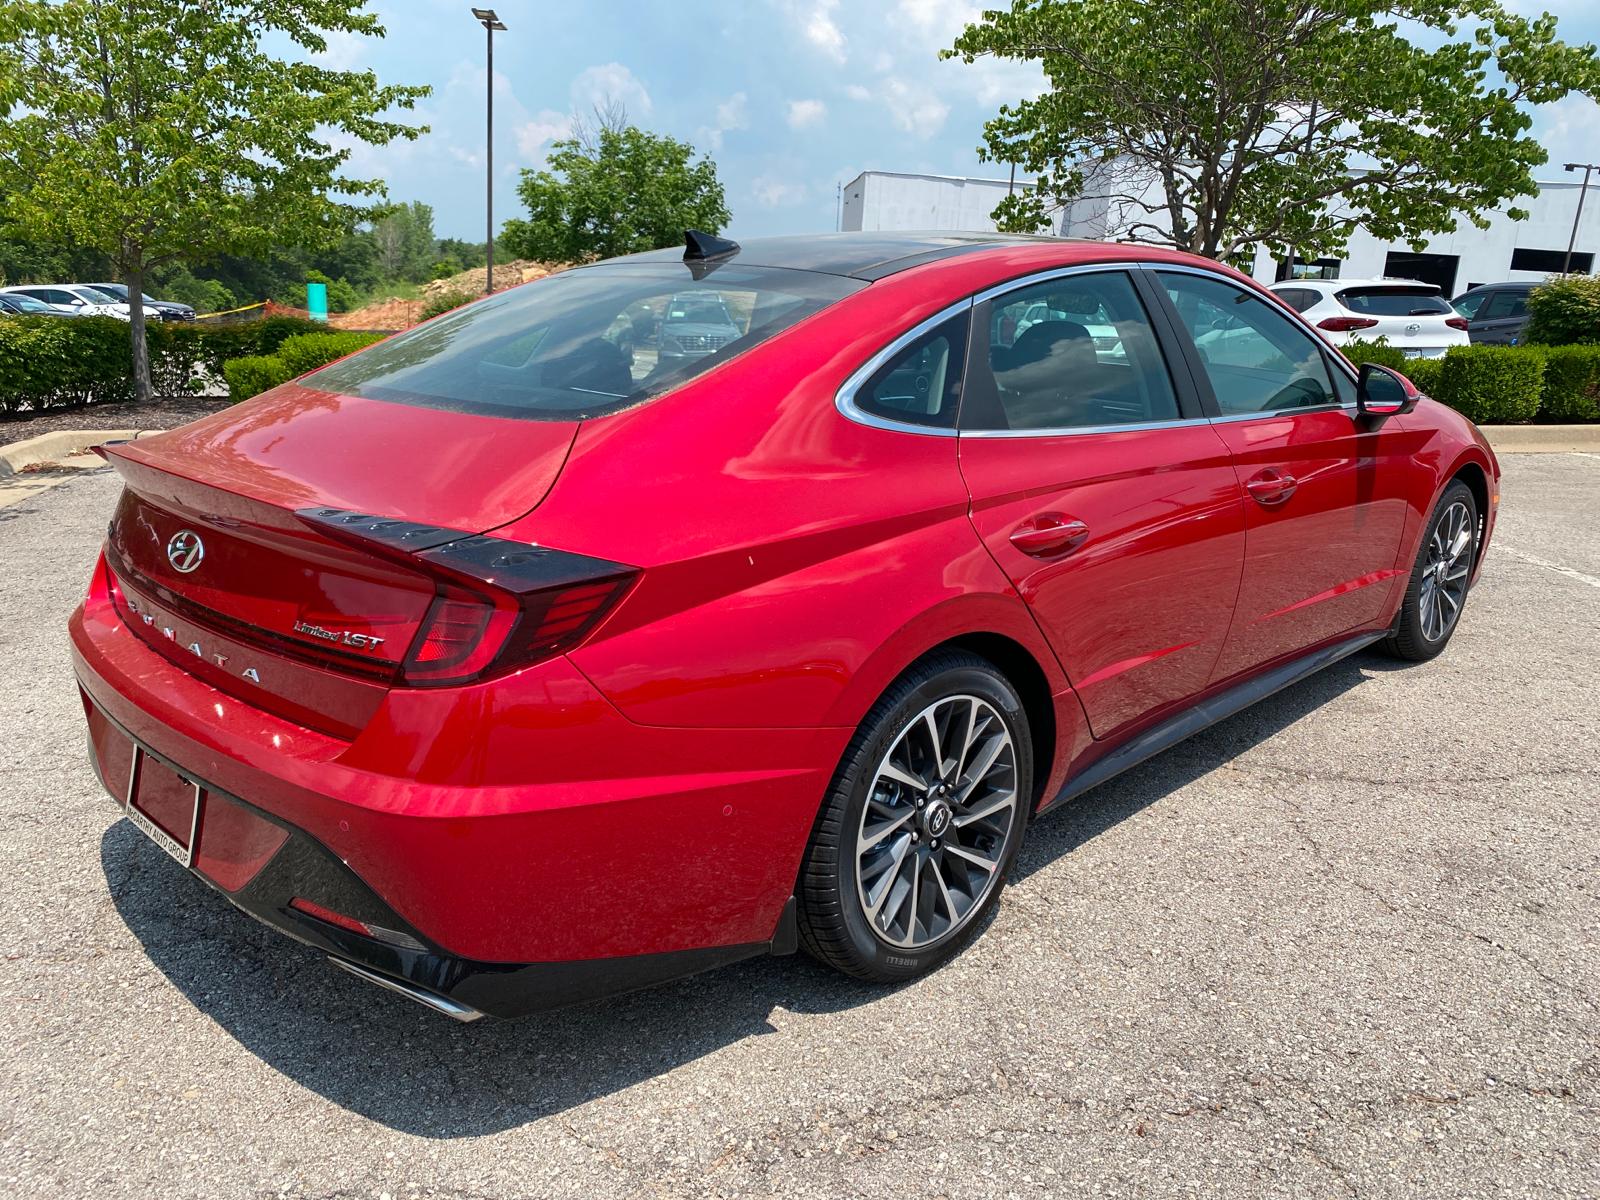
x: 1437, y: 593
x: 954, y: 819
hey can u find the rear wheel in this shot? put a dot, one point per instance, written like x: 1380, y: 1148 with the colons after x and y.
x: 1437, y: 591
x: 921, y: 822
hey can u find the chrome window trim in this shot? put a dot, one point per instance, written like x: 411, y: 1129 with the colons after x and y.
x: 845, y: 398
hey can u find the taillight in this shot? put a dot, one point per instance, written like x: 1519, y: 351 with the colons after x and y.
x: 1457, y: 323
x: 1346, y: 324
x: 499, y: 604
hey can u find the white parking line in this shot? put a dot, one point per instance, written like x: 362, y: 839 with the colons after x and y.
x: 1535, y: 560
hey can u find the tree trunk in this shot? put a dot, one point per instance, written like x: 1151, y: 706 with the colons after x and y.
x: 142, y: 388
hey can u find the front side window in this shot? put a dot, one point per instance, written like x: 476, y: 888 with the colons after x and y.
x: 1256, y: 359
x: 921, y: 385
x: 1068, y: 353
x: 1468, y: 306
x: 586, y: 342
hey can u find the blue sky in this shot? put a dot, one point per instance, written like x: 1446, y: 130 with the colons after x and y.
x: 790, y: 97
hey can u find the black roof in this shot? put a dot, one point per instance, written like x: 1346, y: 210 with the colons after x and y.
x: 855, y: 255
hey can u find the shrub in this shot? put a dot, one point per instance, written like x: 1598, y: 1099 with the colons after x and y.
x: 1565, y: 310
x: 202, y: 295
x: 1380, y: 352
x: 1424, y: 372
x: 1571, y: 384
x: 1492, y: 383
x: 48, y: 362
x: 444, y: 302
x: 308, y: 351
x: 253, y: 375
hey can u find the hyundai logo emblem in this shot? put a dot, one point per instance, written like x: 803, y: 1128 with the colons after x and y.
x: 185, y: 551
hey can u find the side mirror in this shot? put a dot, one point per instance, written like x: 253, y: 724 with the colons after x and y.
x: 1384, y: 392
x: 78, y: 302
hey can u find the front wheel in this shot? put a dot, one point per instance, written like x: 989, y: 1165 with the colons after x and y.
x: 1437, y: 591
x: 921, y: 822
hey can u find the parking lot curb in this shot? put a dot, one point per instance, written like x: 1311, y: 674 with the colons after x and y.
x: 53, y: 447
x: 1543, y: 439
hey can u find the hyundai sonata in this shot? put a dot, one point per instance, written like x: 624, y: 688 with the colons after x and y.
x: 509, y: 668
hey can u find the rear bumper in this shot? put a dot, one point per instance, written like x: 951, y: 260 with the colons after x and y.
x: 460, y: 988
x: 537, y: 848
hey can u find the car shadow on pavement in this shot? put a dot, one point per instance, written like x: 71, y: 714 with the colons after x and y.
x: 396, y: 1063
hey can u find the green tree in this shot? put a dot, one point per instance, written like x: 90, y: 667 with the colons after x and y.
x: 1218, y: 125
x: 613, y: 190
x: 160, y: 130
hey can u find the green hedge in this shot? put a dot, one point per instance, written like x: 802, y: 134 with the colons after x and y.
x: 1426, y: 373
x: 254, y: 374
x: 307, y: 351
x: 1380, y: 352
x: 1571, y: 384
x: 296, y: 355
x: 1493, y: 383
x: 46, y: 362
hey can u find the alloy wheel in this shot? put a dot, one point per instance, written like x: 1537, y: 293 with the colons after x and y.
x: 1444, y: 575
x: 936, y: 822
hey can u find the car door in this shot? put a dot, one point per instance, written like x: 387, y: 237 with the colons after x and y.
x: 1101, y: 490
x: 1502, y: 318
x: 1326, y: 488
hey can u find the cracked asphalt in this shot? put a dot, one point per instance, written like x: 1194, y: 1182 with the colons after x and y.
x: 1342, y: 944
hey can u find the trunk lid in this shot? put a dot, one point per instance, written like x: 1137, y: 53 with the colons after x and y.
x: 273, y: 609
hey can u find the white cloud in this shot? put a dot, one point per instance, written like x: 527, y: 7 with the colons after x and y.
x: 612, y: 83
x: 821, y: 30
x: 547, y: 126
x: 856, y: 92
x: 913, y: 108
x: 771, y: 192
x: 803, y: 113
x: 733, y: 113
x: 345, y: 50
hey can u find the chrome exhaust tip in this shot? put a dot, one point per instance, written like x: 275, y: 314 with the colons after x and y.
x: 440, y: 1004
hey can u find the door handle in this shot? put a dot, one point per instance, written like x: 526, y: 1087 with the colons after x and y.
x: 1049, y: 534
x: 1271, y: 487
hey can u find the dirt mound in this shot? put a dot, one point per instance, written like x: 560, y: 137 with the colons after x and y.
x: 402, y: 314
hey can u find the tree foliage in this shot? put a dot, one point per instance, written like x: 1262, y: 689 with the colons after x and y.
x: 1217, y: 125
x: 154, y: 131
x: 614, y: 189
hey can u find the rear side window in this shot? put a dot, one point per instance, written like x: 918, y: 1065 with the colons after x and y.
x: 586, y: 342
x: 921, y: 385
x: 1395, y: 301
x: 1299, y: 299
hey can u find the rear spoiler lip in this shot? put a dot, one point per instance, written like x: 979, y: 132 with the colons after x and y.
x: 518, y: 568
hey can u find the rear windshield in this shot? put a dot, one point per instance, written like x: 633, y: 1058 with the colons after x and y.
x: 586, y: 342
x: 1420, y: 301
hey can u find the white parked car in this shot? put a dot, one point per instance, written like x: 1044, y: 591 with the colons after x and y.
x: 1413, y: 317
x: 75, y: 299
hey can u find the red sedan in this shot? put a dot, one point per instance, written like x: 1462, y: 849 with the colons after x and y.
x: 572, y: 642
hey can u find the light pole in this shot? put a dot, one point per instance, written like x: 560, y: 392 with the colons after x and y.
x: 490, y: 22
x: 1583, y: 191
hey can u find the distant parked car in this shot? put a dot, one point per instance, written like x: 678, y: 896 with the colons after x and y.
x: 164, y: 310
x: 16, y: 305
x: 695, y: 326
x: 74, y: 299
x: 1413, y: 317
x: 1496, y: 313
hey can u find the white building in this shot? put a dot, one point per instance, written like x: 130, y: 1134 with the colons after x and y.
x: 1506, y: 250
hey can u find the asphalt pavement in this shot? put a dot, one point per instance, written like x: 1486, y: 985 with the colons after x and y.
x: 1346, y: 943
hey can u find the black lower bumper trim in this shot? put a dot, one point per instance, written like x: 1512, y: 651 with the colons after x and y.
x: 304, y: 867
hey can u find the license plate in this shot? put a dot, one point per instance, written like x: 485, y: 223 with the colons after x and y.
x: 163, y: 805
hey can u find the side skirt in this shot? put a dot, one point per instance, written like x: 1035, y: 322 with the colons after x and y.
x: 1207, y: 713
